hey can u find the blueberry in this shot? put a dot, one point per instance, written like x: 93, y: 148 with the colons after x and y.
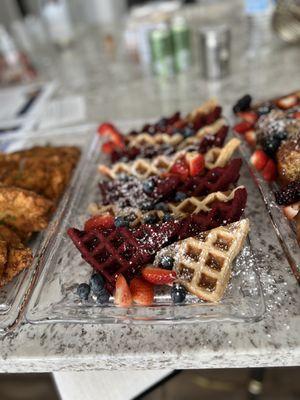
x: 147, y: 206
x: 167, y: 217
x: 280, y: 135
x: 150, y: 219
x: 242, y: 104
x: 161, y: 206
x: 167, y: 262
x: 179, y: 196
x: 103, y: 296
x: 188, y: 132
x: 270, y: 145
x: 178, y: 293
x: 97, y: 283
x: 264, y: 109
x: 148, y: 186
x: 123, y: 177
x: 83, y: 291
x: 120, y: 222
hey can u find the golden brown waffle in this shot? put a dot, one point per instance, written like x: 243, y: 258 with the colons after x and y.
x: 218, y: 157
x: 162, y: 138
x: 194, y: 205
x: 144, y: 168
x: 190, y: 205
x: 203, y: 263
x: 206, y: 130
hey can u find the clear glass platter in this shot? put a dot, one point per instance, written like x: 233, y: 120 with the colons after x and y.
x: 285, y: 229
x: 15, y: 295
x: 62, y: 269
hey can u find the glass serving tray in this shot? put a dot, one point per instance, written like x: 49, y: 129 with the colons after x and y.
x: 15, y: 295
x: 54, y: 298
x: 284, y: 228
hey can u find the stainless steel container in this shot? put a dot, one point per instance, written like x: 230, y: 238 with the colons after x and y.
x: 214, y: 45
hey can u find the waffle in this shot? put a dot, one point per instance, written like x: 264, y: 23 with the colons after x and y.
x: 203, y: 263
x: 194, y: 205
x: 143, y: 168
x: 129, y: 192
x: 124, y: 250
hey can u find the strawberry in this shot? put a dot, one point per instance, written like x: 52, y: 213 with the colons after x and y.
x: 250, y: 137
x: 270, y: 171
x: 259, y: 159
x: 122, y: 294
x: 142, y: 292
x: 108, y: 147
x: 114, y: 135
x: 291, y: 211
x: 249, y: 116
x: 196, y: 163
x: 158, y: 276
x: 243, y: 127
x: 180, y: 167
x: 287, y: 102
x: 99, y: 221
x: 296, y: 115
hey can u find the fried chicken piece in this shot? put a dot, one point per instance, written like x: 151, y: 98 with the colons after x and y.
x: 24, y: 210
x: 44, y: 170
x: 14, y: 256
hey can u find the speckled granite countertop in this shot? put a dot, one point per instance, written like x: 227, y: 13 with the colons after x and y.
x: 274, y: 341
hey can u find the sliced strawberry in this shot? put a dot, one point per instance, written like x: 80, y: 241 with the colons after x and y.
x: 99, y: 221
x: 243, y: 127
x: 196, y: 163
x: 142, y: 292
x: 180, y: 167
x: 158, y: 276
x: 287, y: 102
x: 249, y: 116
x: 108, y: 147
x: 111, y: 131
x: 259, y: 159
x: 291, y: 211
x: 270, y: 171
x: 122, y: 294
x: 296, y: 115
x: 250, y: 137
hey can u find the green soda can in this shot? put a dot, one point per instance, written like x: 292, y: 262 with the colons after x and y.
x: 181, y: 37
x: 162, y: 50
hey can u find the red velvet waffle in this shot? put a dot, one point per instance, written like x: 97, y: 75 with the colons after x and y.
x: 123, y: 250
x: 129, y: 192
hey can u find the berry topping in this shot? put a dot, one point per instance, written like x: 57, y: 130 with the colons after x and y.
x: 250, y: 137
x: 288, y: 194
x: 167, y: 262
x: 178, y: 293
x: 158, y: 276
x: 242, y: 104
x: 142, y: 292
x: 264, y: 109
x: 122, y: 294
x: 249, y: 116
x: 103, y: 296
x: 196, y: 163
x: 167, y: 217
x: 296, y: 115
x: 108, y: 147
x: 148, y: 186
x: 179, y: 196
x: 150, y: 219
x: 121, y: 221
x: 96, y: 283
x: 112, y: 133
x: 188, y: 132
x: 243, y: 127
x: 270, y: 145
x: 83, y: 291
x: 270, y: 171
x: 287, y: 102
x: 106, y: 129
x: 161, y: 206
x: 181, y: 168
x: 259, y: 159
x: 147, y: 206
x: 99, y: 221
